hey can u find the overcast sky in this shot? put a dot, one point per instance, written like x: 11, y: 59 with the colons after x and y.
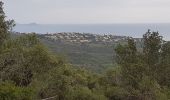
x: 88, y: 11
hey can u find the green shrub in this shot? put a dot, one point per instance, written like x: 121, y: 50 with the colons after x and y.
x: 9, y: 91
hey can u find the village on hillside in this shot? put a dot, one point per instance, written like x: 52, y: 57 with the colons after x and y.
x: 75, y: 37
x: 84, y: 37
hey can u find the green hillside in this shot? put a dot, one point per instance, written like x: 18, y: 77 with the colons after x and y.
x: 95, y: 56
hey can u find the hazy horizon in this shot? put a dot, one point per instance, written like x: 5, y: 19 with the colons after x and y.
x: 120, y: 17
x: 134, y: 30
x: 85, y: 23
x: 88, y: 11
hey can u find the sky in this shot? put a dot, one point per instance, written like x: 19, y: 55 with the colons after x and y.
x: 88, y: 11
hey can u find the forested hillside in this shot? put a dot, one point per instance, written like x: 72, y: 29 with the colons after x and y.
x: 29, y: 71
x: 90, y: 51
x: 92, y: 56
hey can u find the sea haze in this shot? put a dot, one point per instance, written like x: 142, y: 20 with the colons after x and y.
x: 134, y: 30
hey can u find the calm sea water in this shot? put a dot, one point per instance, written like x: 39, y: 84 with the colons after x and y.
x: 134, y: 30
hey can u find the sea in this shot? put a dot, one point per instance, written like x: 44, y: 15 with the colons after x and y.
x: 132, y: 30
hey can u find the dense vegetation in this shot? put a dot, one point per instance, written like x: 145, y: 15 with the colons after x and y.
x: 93, y: 56
x: 28, y: 71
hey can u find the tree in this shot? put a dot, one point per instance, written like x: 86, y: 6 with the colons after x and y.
x: 164, y: 65
x: 24, y: 58
x: 127, y: 58
x: 5, y: 26
x: 151, y: 50
x: 139, y: 70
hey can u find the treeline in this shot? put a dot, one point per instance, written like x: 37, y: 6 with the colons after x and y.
x: 28, y: 71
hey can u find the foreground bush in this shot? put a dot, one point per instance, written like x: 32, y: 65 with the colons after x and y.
x: 8, y: 91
